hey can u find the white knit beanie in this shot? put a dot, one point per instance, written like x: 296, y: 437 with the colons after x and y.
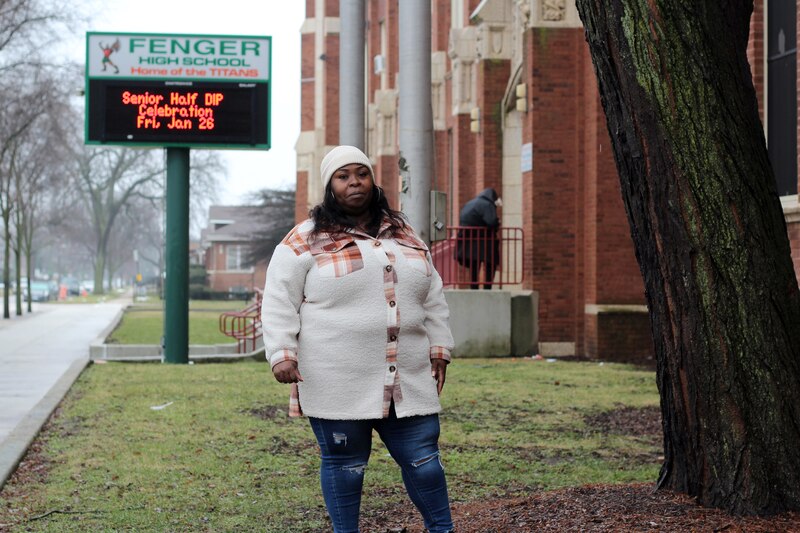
x: 339, y: 157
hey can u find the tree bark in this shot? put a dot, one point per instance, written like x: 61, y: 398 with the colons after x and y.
x: 711, y: 242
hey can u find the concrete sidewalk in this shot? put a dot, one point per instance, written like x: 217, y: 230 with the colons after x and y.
x: 41, y: 355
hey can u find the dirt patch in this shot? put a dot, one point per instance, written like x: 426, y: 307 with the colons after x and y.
x: 601, y: 508
x: 32, y: 470
x: 269, y: 412
x: 636, y: 421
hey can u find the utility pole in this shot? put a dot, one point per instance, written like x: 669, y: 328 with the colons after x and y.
x: 351, y: 73
x: 416, y: 114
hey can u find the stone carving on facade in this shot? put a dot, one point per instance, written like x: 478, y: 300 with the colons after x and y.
x: 493, y: 19
x: 554, y: 10
x: 553, y: 14
x: 494, y: 41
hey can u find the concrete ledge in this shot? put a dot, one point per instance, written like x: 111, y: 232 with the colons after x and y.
x: 480, y: 321
x: 13, y: 448
x: 493, y: 322
x: 524, y: 322
x: 791, y: 208
x: 100, y: 351
x: 556, y: 349
x: 597, y: 309
x: 257, y: 355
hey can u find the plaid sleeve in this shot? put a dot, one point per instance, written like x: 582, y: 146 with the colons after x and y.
x: 437, y: 324
x: 281, y: 356
x: 440, y: 352
x: 283, y: 296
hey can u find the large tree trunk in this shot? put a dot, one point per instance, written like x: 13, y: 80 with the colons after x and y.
x: 711, y: 241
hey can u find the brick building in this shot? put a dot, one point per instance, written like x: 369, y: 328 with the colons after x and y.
x: 522, y: 67
x: 224, y: 243
x: 772, y: 52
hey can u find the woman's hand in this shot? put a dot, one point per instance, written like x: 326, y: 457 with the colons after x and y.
x: 438, y: 372
x: 286, y: 372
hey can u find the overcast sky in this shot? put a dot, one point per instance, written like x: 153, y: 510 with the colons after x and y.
x: 281, y: 19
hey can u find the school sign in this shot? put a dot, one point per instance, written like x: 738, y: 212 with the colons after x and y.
x: 178, y: 90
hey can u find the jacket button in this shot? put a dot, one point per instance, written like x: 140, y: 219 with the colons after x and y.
x: 388, y: 268
x: 392, y: 303
x: 392, y: 368
x: 393, y: 338
x: 377, y: 243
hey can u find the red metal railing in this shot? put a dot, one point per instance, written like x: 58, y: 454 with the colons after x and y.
x: 244, y: 325
x: 470, y: 252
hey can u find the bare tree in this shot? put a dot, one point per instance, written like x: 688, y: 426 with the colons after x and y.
x: 108, y: 179
x: 277, y: 218
x: 26, y: 27
x: 206, y: 172
x: 141, y: 229
x: 24, y: 103
x: 711, y: 241
x: 37, y: 173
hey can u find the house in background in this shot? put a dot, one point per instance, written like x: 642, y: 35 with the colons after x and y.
x: 225, y: 243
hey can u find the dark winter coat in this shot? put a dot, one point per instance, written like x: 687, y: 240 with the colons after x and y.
x: 482, y: 212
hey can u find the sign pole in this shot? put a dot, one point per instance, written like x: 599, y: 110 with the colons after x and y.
x: 176, y: 290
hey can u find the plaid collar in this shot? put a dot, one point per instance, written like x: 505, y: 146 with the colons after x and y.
x: 333, y: 242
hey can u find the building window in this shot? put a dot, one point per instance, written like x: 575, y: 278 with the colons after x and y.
x: 235, y: 257
x: 782, y: 93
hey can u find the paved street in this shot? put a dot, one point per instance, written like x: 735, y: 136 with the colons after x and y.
x: 37, y: 350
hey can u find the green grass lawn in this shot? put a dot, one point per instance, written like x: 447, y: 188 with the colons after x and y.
x: 143, y: 323
x: 223, y: 456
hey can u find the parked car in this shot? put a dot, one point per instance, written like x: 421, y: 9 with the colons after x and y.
x: 41, y: 291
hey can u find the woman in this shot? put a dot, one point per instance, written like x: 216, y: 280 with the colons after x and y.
x: 355, y: 319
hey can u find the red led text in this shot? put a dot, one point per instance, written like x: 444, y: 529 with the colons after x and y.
x: 176, y: 110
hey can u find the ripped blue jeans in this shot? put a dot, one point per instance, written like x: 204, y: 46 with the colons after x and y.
x: 413, y: 444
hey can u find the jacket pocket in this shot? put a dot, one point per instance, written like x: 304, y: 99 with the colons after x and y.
x: 337, y: 258
x: 416, y: 255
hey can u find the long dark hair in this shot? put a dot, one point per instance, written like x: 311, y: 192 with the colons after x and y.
x: 329, y: 218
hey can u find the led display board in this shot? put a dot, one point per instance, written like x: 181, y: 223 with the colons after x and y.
x: 178, y: 90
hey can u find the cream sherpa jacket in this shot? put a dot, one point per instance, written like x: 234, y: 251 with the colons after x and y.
x: 362, y: 317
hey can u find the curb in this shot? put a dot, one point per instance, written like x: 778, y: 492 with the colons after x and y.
x: 14, y: 447
x: 257, y: 355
